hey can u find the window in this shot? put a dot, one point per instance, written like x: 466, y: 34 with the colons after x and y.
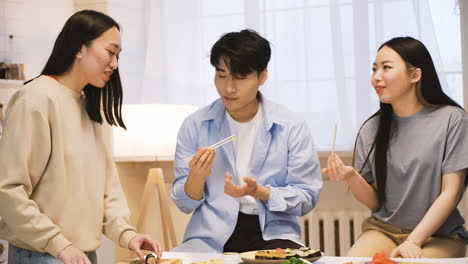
x: 322, y: 52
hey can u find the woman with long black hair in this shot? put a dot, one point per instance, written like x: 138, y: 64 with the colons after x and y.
x: 59, y: 188
x: 410, y: 160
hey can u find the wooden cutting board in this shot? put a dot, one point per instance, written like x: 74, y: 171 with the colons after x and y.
x: 161, y: 261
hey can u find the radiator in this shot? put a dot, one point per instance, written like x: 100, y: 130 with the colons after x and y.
x: 332, y: 231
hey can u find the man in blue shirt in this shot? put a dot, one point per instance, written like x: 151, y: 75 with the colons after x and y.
x: 247, y: 194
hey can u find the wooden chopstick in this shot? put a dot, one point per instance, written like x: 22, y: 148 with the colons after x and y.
x: 222, y: 142
x: 334, y: 138
x: 215, y: 145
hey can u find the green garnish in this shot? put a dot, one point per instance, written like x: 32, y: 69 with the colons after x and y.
x: 294, y: 260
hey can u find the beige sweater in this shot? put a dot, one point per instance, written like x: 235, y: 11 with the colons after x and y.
x: 58, y: 184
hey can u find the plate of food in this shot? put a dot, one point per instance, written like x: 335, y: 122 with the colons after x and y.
x: 380, y: 258
x: 279, y: 255
x: 388, y: 262
x: 150, y: 261
x: 394, y: 262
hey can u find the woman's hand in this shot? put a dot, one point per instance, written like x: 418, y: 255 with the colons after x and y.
x: 407, y: 249
x: 336, y: 169
x: 144, y: 242
x: 361, y: 189
x: 72, y: 255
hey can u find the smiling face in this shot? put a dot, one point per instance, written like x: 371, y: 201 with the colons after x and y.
x: 99, y: 59
x: 392, y: 79
x: 239, y: 94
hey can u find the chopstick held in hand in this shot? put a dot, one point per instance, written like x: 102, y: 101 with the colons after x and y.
x: 334, y: 138
x: 215, y: 145
x: 335, y: 128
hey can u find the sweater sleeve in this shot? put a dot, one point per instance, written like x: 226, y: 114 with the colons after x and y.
x: 25, y: 149
x: 116, y: 212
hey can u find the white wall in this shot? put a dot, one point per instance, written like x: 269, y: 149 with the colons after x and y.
x: 34, y: 26
x: 464, y: 39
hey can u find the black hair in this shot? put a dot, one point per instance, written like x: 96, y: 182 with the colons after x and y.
x: 429, y: 92
x: 81, y: 29
x: 243, y: 52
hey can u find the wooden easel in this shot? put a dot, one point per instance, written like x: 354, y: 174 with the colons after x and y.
x: 156, y: 179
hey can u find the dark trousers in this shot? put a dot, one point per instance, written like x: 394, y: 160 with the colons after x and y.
x: 247, y: 236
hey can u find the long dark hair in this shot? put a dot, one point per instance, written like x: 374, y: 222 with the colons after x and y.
x: 81, y: 29
x: 429, y: 92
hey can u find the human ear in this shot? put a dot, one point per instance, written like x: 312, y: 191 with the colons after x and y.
x: 80, y: 54
x: 416, y: 74
x: 263, y: 76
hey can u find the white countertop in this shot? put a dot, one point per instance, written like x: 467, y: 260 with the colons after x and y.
x: 155, y: 158
x: 189, y: 257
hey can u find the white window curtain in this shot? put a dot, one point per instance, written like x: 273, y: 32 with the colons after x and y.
x: 322, y: 51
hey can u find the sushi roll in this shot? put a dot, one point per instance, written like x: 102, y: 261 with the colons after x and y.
x: 263, y: 255
x: 151, y: 259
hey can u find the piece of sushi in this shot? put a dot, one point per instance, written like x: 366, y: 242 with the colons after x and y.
x: 263, y: 254
x: 151, y: 259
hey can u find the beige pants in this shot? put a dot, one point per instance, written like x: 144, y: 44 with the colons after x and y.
x: 380, y: 237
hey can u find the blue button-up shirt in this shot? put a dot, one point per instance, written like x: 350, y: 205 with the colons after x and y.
x: 283, y: 159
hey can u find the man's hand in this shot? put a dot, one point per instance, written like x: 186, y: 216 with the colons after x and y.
x: 72, y: 255
x: 250, y: 187
x: 200, y: 164
x: 200, y: 168
x: 144, y: 242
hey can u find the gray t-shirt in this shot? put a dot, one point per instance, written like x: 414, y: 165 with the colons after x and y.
x: 427, y: 145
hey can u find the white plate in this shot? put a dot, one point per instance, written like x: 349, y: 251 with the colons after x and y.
x: 249, y: 257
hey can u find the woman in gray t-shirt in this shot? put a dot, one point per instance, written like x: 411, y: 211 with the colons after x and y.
x: 411, y: 160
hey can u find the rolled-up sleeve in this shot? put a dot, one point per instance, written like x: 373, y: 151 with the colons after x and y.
x: 304, y: 179
x: 186, y: 146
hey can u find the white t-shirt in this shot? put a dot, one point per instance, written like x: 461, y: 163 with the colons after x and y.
x: 246, y: 134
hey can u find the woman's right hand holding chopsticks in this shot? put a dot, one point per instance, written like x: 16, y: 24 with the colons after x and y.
x: 337, y: 170
x: 363, y: 191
